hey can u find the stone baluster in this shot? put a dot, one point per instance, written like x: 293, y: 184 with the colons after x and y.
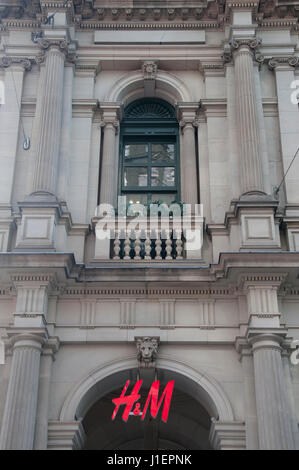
x: 137, y: 246
x: 116, y: 246
x: 147, y: 248
x: 127, y: 247
x: 168, y: 245
x: 158, y: 245
x: 177, y: 235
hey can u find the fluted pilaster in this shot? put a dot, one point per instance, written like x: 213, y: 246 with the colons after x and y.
x: 47, y: 155
x: 187, y: 114
x: 274, y: 421
x: 109, y: 164
x: 189, y: 175
x: 18, y: 424
x: 247, y: 119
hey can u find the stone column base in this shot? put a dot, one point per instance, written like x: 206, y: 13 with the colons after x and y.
x: 228, y: 435
x: 65, y: 435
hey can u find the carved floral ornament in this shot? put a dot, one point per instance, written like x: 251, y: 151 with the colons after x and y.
x: 150, y: 69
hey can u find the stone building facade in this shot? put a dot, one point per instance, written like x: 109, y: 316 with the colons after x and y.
x: 193, y: 101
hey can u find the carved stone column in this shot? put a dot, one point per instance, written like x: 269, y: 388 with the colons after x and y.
x: 284, y: 68
x: 11, y: 89
x: 109, y: 166
x: 273, y: 414
x: 47, y: 152
x: 27, y: 337
x: 247, y: 116
x: 187, y: 118
x: 18, y: 424
x: 265, y: 334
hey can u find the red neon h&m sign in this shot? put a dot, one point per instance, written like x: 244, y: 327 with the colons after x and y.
x: 152, y: 399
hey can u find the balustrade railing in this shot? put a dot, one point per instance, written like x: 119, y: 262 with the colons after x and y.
x: 164, y: 239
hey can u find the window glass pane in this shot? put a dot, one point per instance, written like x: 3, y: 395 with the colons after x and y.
x: 163, y: 153
x: 165, y: 198
x: 136, y: 153
x: 136, y: 198
x: 135, y: 176
x: 162, y: 176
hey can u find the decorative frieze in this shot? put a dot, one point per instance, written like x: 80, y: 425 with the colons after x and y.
x: 127, y: 313
x: 167, y: 314
x: 262, y: 299
x: 207, y: 314
x: 146, y: 292
x: 32, y: 298
x: 87, y: 314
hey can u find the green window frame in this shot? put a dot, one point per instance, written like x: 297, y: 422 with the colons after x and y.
x: 149, y: 126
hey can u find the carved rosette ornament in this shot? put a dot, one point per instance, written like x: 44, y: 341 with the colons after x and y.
x: 147, y: 351
x: 149, y: 69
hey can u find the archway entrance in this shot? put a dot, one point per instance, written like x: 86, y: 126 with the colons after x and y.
x: 198, y: 403
x: 187, y: 426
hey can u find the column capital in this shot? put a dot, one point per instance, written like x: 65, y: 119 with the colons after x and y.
x: 11, y: 61
x: 237, y: 45
x: 67, y: 48
x: 27, y: 338
x: 187, y: 114
x: 266, y: 338
x: 111, y: 114
x: 250, y: 43
x: 283, y: 63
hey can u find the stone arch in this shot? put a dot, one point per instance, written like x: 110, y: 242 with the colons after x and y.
x: 112, y: 375
x: 130, y: 87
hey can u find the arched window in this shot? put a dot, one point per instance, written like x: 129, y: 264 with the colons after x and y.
x: 149, y: 153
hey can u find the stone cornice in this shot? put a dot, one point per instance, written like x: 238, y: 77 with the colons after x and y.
x: 126, y: 15
x: 179, y: 275
x: 85, y: 25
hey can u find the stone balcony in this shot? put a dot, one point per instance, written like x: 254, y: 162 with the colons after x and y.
x: 161, y: 239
